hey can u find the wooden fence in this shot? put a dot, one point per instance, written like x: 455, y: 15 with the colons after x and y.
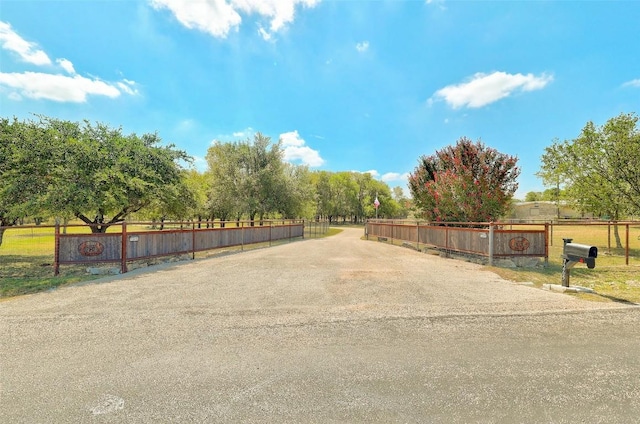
x: 123, y: 246
x: 484, y: 239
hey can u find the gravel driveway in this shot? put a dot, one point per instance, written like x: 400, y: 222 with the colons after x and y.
x: 322, y: 330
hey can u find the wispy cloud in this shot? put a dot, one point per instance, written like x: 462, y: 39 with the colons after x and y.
x: 72, y: 88
x: 394, y: 176
x: 66, y: 65
x: 27, y: 51
x: 295, y: 149
x: 483, y: 89
x: 235, y: 136
x: 59, y: 88
x: 362, y: 47
x: 218, y: 17
x: 632, y: 83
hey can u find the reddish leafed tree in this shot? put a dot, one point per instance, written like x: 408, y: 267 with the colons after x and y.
x: 468, y: 182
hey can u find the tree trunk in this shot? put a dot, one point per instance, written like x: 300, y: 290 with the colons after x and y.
x: 2, y: 230
x: 616, y: 234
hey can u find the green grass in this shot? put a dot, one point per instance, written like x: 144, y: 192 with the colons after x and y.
x: 24, y: 274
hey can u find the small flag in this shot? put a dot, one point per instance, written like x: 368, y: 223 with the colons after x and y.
x: 376, y: 203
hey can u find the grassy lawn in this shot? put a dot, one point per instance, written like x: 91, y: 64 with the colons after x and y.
x: 617, y: 283
x: 24, y: 274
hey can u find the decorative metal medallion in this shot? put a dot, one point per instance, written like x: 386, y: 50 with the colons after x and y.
x: 91, y: 248
x: 519, y: 244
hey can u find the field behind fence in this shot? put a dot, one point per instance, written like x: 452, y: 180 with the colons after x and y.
x: 29, y: 251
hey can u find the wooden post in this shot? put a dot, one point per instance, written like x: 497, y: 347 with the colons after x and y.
x: 546, y: 244
x: 123, y: 253
x: 56, y: 260
x: 491, y: 244
x: 626, y: 249
x: 193, y: 239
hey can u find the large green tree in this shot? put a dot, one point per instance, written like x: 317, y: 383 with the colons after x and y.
x: 89, y: 171
x: 26, y: 150
x: 468, y: 182
x: 249, y: 178
x: 600, y: 169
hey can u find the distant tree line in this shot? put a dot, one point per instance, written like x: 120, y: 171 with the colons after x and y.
x: 51, y: 168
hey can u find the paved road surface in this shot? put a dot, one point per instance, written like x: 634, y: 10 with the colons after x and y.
x: 324, y: 330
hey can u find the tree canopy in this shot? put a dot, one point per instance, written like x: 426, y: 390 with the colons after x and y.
x: 468, y: 182
x: 89, y: 171
x: 599, y: 169
x: 249, y: 178
x: 101, y: 176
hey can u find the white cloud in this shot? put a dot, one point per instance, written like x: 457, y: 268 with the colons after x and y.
x: 127, y: 86
x: 362, y: 47
x: 372, y: 172
x: 295, y: 149
x: 66, y: 65
x: 632, y: 83
x: 247, y: 132
x: 394, y: 176
x: 56, y: 87
x: 218, y: 17
x: 483, y: 89
x: 28, y: 52
x: 60, y: 88
x: 234, y: 136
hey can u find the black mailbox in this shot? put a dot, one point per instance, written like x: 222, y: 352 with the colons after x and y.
x: 582, y: 253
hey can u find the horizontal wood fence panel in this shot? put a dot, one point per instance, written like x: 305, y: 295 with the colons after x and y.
x: 89, y: 248
x: 434, y: 236
x: 519, y: 243
x: 216, y: 238
x: 158, y: 243
x: 257, y: 235
x: 506, y: 243
x: 97, y: 248
x: 468, y: 240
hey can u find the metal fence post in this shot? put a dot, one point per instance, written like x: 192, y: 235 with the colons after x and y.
x: 491, y: 244
x: 56, y: 263
x: 626, y: 249
x: 546, y: 244
x: 193, y: 239
x: 123, y: 253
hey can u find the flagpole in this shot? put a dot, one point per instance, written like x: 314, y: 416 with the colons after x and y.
x: 376, y: 204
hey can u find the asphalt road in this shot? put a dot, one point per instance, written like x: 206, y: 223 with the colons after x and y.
x: 322, y: 330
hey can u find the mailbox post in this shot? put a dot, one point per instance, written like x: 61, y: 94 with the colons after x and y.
x: 573, y: 253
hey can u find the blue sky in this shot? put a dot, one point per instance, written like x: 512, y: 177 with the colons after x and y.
x: 347, y: 85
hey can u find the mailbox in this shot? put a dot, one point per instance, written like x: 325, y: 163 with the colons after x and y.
x: 581, y: 253
x: 574, y: 253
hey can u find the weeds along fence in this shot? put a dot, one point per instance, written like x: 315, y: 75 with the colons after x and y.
x: 517, y: 239
x: 51, y: 247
